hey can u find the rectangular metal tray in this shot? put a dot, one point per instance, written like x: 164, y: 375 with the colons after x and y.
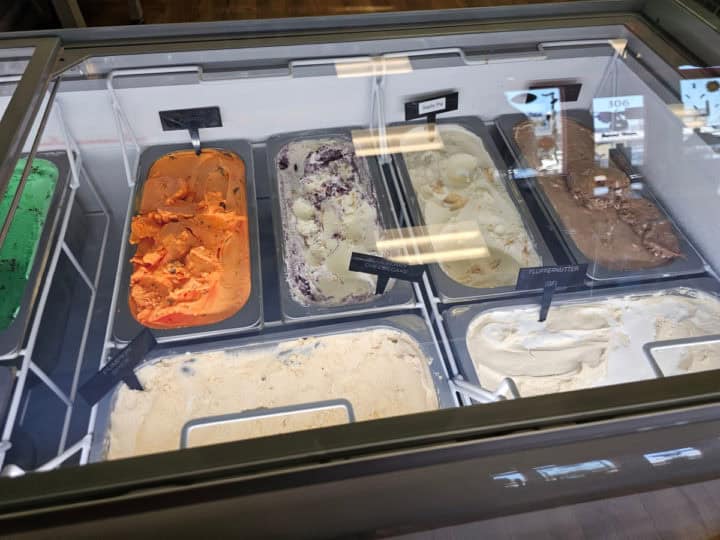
x: 413, y: 325
x: 13, y: 337
x: 448, y: 289
x: 397, y: 295
x: 250, y: 316
x: 692, y: 263
x: 458, y: 318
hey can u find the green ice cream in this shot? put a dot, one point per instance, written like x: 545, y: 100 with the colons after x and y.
x: 18, y: 250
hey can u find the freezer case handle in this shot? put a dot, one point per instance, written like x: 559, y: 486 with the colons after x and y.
x: 256, y: 414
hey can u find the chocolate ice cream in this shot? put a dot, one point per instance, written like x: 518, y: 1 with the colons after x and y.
x: 610, y: 223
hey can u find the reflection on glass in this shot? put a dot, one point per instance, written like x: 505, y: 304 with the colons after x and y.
x: 434, y: 243
x: 688, y: 358
x: 511, y: 479
x: 372, y: 67
x: 701, y: 104
x: 235, y: 427
x: 396, y: 139
x: 13, y: 62
x: 659, y: 459
x: 552, y: 473
x: 542, y: 107
x: 619, y: 120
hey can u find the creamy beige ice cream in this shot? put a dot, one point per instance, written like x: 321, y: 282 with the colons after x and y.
x: 382, y: 372
x: 584, y: 344
x: 329, y: 210
x: 458, y: 185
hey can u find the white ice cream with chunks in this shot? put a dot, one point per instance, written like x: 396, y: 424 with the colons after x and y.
x: 459, y: 184
x: 329, y: 210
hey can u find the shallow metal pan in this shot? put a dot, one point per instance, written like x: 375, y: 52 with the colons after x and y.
x: 448, y: 289
x: 13, y: 337
x: 250, y: 315
x: 458, y: 318
x: 413, y: 325
x: 690, y: 263
x: 397, y: 295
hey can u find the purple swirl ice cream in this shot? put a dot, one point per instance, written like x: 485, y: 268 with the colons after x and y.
x: 328, y: 210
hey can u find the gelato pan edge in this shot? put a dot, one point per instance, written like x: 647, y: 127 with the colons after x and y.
x: 328, y: 210
x: 192, y: 263
x: 382, y: 371
x: 586, y: 342
x: 17, y: 254
x: 460, y: 184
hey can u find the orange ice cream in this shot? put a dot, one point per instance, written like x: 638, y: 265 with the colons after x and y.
x: 192, y: 264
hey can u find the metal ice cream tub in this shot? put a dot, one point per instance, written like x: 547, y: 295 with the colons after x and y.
x: 249, y: 317
x: 457, y: 320
x: 397, y: 295
x: 448, y: 289
x: 13, y: 337
x: 412, y: 325
x: 689, y: 263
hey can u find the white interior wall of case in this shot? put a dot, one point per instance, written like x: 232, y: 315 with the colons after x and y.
x: 257, y: 108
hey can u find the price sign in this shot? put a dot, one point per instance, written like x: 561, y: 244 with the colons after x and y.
x: 618, y: 118
x: 121, y: 367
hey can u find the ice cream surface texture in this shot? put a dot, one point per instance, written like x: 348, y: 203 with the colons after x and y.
x: 610, y: 222
x: 458, y: 185
x: 329, y: 210
x: 192, y: 264
x: 381, y: 371
x: 17, y: 252
x: 585, y: 344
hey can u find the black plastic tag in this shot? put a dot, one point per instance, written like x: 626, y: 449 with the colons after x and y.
x: 385, y: 269
x: 120, y: 368
x: 569, y: 90
x: 431, y: 106
x: 550, y: 278
x: 563, y: 276
x: 197, y: 118
x: 547, y: 296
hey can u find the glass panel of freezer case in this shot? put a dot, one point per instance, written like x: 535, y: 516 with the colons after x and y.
x: 250, y: 248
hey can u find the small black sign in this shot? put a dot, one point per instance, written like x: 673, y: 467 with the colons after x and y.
x: 562, y: 276
x: 200, y: 117
x: 569, y: 90
x: 385, y: 269
x: 431, y: 106
x: 550, y: 278
x: 119, y: 368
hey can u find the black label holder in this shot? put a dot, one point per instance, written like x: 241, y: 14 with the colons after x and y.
x: 429, y: 107
x: 385, y: 269
x: 192, y: 120
x: 550, y: 278
x: 121, y: 367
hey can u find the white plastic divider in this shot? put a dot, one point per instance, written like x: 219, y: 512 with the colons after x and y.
x: 121, y: 119
x: 27, y: 363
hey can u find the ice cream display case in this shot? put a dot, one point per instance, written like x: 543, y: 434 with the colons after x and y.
x: 466, y: 260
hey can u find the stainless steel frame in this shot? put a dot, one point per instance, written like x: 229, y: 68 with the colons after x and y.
x: 438, y: 451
